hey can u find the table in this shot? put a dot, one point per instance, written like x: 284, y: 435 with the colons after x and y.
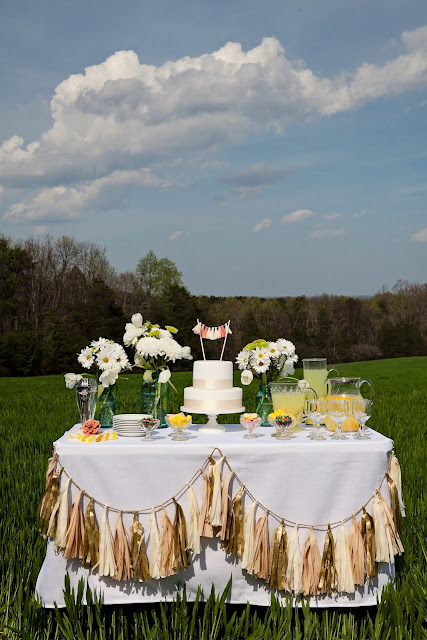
x: 300, y: 479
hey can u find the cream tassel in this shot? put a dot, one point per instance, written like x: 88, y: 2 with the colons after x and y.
x: 51, y: 467
x: 357, y: 552
x: 345, y: 580
x: 391, y: 528
x: 260, y: 563
x: 248, y: 536
x: 75, y: 532
x: 225, y: 508
x: 122, y: 551
x: 205, y: 528
x: 166, y: 546
x: 62, y: 520
x: 107, y: 564
x: 154, y: 547
x: 193, y: 522
x: 215, y: 512
x: 294, y: 568
x: 311, y: 564
x: 396, y: 475
x: 383, y: 540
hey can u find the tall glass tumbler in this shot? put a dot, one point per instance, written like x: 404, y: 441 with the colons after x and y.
x: 315, y: 372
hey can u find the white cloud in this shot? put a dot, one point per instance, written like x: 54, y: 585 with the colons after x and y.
x: 420, y: 236
x: 327, y: 233
x: 264, y: 224
x: 62, y: 203
x: 123, y: 115
x: 175, y: 235
x: 296, y: 216
x: 332, y: 216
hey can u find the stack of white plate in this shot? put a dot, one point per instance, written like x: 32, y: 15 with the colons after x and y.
x: 126, y: 425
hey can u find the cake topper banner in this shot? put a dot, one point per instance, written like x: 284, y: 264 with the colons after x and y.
x: 212, y: 333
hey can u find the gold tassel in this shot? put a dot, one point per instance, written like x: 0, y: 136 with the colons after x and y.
x: 53, y: 521
x: 311, y: 563
x: 62, y: 520
x: 166, y: 546
x: 368, y: 533
x: 225, y: 511
x: 357, y: 553
x: 205, y: 528
x: 181, y: 557
x: 259, y: 565
x: 154, y: 550
x: 91, y: 538
x: 140, y: 570
x: 51, y: 467
x: 75, y: 531
x: 395, y: 506
x: 121, y: 551
x: 328, y: 574
x: 48, y: 501
x: 236, y: 543
x: 278, y: 558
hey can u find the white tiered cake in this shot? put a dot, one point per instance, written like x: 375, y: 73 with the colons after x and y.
x: 212, y: 391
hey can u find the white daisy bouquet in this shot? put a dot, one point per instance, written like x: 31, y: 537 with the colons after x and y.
x: 154, y: 348
x: 105, y: 358
x: 268, y: 361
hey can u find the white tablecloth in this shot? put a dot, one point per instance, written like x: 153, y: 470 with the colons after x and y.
x: 300, y: 479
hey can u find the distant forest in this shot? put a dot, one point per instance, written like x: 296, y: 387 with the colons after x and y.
x: 56, y: 295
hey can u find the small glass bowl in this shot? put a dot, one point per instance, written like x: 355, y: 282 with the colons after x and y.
x: 149, y: 424
x: 179, y: 422
x: 282, y: 424
x: 250, y: 421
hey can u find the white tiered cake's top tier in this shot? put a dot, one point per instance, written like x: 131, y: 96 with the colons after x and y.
x: 213, y: 374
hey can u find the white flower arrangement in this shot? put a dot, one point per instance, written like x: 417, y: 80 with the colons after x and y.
x: 154, y: 347
x: 268, y: 361
x: 108, y: 357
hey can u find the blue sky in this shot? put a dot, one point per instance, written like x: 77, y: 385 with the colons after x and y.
x: 274, y: 148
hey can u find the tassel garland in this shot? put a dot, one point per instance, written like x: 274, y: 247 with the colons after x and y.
x: 357, y: 553
x: 311, y: 564
x: 91, y: 538
x: 328, y: 574
x: 107, y: 563
x: 345, y: 581
x: 181, y: 556
x: 140, y: 570
x: 278, y: 558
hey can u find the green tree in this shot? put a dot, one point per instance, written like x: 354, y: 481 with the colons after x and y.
x: 157, y: 275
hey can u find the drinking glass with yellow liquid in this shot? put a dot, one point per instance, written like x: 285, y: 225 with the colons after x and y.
x: 289, y: 398
x: 315, y: 372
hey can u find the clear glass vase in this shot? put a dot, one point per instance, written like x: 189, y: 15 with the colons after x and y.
x: 106, y: 407
x: 264, y: 405
x: 86, y: 395
x: 155, y: 400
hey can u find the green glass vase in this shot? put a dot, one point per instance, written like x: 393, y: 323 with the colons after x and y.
x: 106, y: 407
x: 264, y: 404
x: 155, y: 400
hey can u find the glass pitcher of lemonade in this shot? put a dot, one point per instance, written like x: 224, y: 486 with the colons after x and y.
x: 346, y: 389
x: 315, y: 372
x: 289, y: 397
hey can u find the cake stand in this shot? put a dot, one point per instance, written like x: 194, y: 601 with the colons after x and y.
x: 212, y: 425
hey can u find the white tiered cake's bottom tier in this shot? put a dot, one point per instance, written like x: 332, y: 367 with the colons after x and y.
x: 213, y: 401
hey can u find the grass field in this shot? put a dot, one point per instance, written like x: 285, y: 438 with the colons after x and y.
x: 36, y: 411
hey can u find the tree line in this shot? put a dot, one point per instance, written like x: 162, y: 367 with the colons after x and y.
x: 56, y: 295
